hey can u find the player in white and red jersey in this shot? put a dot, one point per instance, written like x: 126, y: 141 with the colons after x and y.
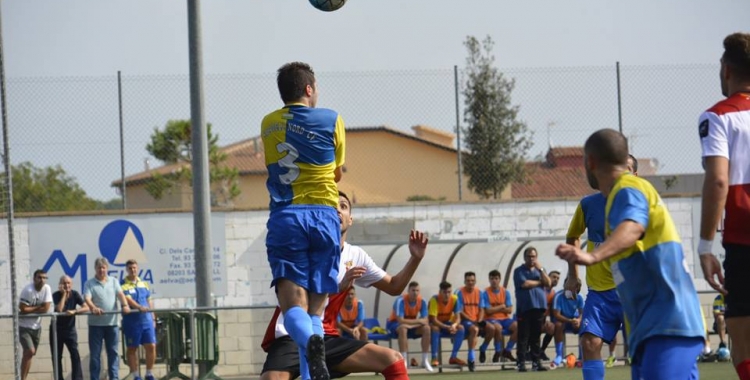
x: 724, y: 130
x: 344, y: 356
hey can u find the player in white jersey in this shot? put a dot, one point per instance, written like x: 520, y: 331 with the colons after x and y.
x: 724, y: 130
x: 344, y: 356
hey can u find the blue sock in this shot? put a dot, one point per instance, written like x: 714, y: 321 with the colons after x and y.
x: 559, y: 347
x: 593, y: 370
x: 484, y: 346
x: 498, y: 346
x: 434, y: 343
x: 458, y: 339
x: 510, y: 345
x: 471, y: 355
x: 299, y: 326
x: 317, y: 325
x: 304, y: 370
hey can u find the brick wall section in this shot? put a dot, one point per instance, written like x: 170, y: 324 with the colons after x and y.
x: 249, y: 274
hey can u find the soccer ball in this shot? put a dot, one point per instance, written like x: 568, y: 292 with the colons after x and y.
x: 328, y: 5
x: 722, y: 354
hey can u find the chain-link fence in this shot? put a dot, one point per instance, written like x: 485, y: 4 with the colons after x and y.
x: 65, y: 134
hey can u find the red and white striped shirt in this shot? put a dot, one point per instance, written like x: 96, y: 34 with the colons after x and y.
x: 724, y: 130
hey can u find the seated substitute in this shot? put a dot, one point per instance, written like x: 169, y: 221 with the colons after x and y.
x: 567, y: 310
x: 498, y: 310
x: 351, y: 318
x: 445, y: 318
x: 409, y: 320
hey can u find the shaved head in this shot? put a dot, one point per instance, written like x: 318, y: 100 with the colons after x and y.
x: 607, y: 147
x: 604, y: 148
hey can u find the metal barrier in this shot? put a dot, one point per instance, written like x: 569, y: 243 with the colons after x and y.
x: 191, y: 333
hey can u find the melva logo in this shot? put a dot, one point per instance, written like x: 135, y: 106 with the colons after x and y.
x: 119, y: 241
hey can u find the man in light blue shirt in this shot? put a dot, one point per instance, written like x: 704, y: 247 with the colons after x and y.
x: 102, y: 294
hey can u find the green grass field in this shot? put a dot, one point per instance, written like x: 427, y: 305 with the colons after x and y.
x: 708, y: 371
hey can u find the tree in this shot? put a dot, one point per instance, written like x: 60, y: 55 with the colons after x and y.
x: 47, y: 189
x: 496, y: 141
x: 173, y: 146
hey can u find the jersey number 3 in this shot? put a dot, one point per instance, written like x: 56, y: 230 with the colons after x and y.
x: 288, y: 162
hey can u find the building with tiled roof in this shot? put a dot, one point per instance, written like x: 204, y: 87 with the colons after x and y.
x: 384, y: 165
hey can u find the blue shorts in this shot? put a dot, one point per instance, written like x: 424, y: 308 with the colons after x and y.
x: 304, y: 246
x: 667, y: 358
x: 138, y: 334
x: 602, y: 315
x: 391, y: 326
x: 503, y: 322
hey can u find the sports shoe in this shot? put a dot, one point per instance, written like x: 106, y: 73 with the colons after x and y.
x: 482, y: 356
x: 136, y: 377
x: 456, y: 361
x: 506, y: 354
x: 496, y: 356
x: 610, y: 362
x: 435, y: 362
x: 521, y: 367
x: 414, y: 362
x: 316, y: 358
x: 472, y: 366
x: 538, y: 367
x: 543, y: 356
x: 427, y: 366
x: 707, y: 358
x: 557, y: 362
x: 149, y: 377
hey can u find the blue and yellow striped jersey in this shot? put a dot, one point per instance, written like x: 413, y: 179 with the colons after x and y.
x: 303, y: 147
x: 589, y: 215
x: 652, y: 277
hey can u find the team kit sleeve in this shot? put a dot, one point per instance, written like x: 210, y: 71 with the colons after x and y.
x: 508, y: 299
x: 340, y: 142
x: 423, y: 310
x: 577, y: 224
x: 360, y: 312
x: 484, y: 300
x: 459, y: 307
x: 628, y: 204
x: 373, y: 273
x: 713, y: 134
x: 433, y: 308
x: 400, y: 308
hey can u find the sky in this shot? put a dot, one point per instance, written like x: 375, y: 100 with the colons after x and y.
x: 61, y: 58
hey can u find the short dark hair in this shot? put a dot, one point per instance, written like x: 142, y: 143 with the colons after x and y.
x: 554, y: 271
x: 413, y: 284
x: 292, y: 80
x: 528, y: 250
x: 39, y: 271
x: 131, y: 262
x: 635, y: 163
x: 608, y: 147
x: 343, y: 194
x: 737, y: 54
x: 495, y: 273
x: 469, y: 274
x: 445, y: 285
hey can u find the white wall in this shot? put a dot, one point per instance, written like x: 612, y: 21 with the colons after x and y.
x: 249, y: 274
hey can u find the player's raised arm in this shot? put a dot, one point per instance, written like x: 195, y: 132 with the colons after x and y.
x: 395, y: 285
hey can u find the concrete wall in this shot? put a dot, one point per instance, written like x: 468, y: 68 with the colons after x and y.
x: 249, y: 275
